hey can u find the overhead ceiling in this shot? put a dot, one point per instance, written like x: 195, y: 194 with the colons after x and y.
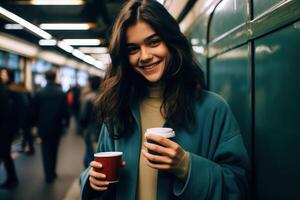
x: 98, y: 13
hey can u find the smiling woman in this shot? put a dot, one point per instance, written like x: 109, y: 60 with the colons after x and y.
x: 154, y: 81
x: 148, y: 54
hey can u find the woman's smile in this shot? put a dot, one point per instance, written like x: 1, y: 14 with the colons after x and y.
x: 150, y: 68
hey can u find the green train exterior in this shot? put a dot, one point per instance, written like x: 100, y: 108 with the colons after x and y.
x: 250, y: 51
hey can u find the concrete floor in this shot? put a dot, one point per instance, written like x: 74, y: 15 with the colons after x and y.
x: 32, y: 185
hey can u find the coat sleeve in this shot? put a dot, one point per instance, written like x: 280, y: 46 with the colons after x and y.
x: 86, y: 192
x: 222, y: 174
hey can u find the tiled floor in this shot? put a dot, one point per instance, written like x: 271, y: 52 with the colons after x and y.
x: 31, y: 178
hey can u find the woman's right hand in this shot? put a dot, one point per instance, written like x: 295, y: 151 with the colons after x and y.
x: 97, y: 180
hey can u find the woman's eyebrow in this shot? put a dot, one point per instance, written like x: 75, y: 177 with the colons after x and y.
x: 150, y: 37
x: 145, y: 40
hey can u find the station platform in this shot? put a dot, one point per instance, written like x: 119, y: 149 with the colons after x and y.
x: 32, y: 185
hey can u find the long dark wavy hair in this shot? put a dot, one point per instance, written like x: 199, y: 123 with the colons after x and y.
x: 123, y: 87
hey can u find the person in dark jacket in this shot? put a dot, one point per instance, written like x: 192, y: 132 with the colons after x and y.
x: 52, y: 115
x: 7, y: 104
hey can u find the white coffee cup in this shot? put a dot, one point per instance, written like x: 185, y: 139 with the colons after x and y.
x: 159, y: 131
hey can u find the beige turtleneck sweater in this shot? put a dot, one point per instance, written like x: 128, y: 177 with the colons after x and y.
x: 151, y: 117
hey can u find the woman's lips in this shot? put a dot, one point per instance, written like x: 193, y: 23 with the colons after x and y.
x: 149, y: 69
x: 148, y: 66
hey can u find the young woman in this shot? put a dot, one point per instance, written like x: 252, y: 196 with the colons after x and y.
x: 154, y: 81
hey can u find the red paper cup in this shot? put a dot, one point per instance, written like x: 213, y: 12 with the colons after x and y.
x: 160, y: 131
x: 111, y: 164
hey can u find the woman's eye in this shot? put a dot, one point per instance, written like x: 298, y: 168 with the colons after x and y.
x: 132, y: 49
x: 154, y: 42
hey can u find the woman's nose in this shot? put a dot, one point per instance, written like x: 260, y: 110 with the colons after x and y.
x: 145, y: 55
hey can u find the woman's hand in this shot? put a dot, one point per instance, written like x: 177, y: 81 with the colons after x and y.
x: 171, y: 153
x: 98, y: 180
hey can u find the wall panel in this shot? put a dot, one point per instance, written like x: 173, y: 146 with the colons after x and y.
x: 230, y: 77
x: 277, y: 131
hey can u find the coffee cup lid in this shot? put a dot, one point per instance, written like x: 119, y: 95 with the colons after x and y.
x: 108, y: 154
x: 159, y: 130
x: 164, y: 132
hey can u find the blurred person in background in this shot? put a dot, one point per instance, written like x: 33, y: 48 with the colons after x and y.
x: 27, y: 120
x: 84, y: 91
x: 8, y: 126
x: 155, y: 81
x: 51, y: 114
x: 88, y: 119
x: 73, y: 98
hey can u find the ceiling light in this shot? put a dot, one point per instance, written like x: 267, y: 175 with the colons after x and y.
x: 89, y: 59
x: 78, y: 54
x: 64, y: 26
x: 52, y: 57
x: 13, y: 44
x: 25, y: 23
x: 82, y: 42
x: 47, y: 42
x: 104, y: 58
x: 56, y: 2
x: 161, y: 1
x: 13, y: 27
x: 101, y: 56
x: 93, y: 50
x: 65, y: 46
x: 100, y: 65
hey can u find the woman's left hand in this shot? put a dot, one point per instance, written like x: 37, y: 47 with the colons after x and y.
x: 171, y: 153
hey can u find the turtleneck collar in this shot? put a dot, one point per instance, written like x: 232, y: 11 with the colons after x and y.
x: 155, y: 91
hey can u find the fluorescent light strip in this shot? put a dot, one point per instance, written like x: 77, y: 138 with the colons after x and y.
x: 93, y: 50
x: 161, y: 1
x: 82, y: 42
x: 56, y: 2
x: 13, y: 27
x: 25, y: 23
x: 13, y: 44
x: 100, y: 65
x: 65, y: 47
x: 86, y: 58
x: 101, y: 56
x: 62, y: 26
x: 78, y: 54
x: 47, y: 42
x: 89, y: 59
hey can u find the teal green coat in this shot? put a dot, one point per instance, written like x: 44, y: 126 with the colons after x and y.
x: 218, y: 159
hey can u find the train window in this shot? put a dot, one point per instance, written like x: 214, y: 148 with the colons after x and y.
x: 68, y: 77
x: 13, y: 61
x: 82, y: 78
x: 1, y: 59
x: 41, y: 66
x: 228, y: 15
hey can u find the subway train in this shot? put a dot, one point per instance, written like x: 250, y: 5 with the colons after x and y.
x: 249, y: 51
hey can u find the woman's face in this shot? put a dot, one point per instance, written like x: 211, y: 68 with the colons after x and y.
x: 147, y: 53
